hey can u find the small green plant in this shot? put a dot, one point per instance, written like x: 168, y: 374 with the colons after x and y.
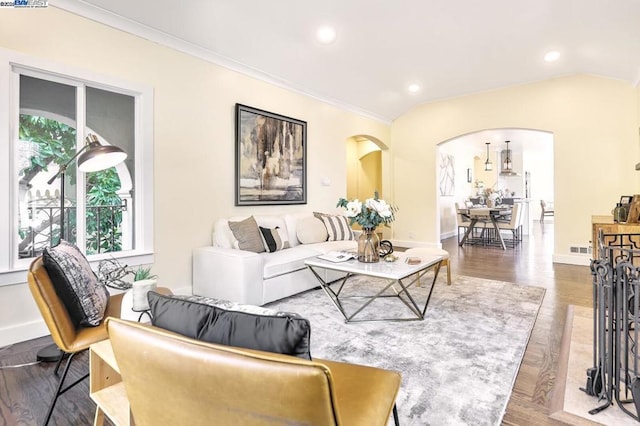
x: 143, y: 273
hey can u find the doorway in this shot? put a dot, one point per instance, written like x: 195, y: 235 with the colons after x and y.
x: 529, y: 180
x: 365, y: 167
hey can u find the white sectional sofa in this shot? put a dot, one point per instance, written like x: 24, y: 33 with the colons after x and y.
x: 223, y: 271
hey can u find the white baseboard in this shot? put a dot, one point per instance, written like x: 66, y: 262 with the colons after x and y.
x: 572, y: 259
x: 23, y: 332
x: 449, y: 234
x: 34, y: 329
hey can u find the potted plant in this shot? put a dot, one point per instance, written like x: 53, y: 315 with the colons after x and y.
x: 143, y: 273
x: 143, y: 282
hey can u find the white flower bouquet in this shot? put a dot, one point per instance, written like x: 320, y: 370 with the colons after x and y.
x: 369, y: 214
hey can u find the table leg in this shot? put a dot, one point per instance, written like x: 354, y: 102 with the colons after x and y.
x: 469, y: 230
x: 332, y: 294
x: 410, y: 303
x: 497, y: 228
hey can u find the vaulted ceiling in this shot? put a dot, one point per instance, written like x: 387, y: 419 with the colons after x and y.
x: 447, y: 47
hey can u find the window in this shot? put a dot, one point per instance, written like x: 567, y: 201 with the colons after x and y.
x: 106, y: 213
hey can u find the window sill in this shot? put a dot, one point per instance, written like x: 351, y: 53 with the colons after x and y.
x: 19, y: 275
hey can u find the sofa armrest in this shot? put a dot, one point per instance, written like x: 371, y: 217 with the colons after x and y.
x: 228, y: 274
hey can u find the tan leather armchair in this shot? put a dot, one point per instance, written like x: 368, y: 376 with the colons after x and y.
x: 69, y: 339
x: 172, y: 379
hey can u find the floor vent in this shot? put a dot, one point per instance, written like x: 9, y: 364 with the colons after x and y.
x: 586, y: 250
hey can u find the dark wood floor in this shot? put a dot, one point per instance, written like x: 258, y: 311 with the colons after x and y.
x: 25, y: 392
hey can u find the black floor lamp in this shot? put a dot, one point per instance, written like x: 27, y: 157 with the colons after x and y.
x: 92, y: 157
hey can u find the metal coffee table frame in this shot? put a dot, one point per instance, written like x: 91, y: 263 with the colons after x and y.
x: 353, y: 268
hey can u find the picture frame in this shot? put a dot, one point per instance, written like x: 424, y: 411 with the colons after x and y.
x: 271, y: 158
x: 469, y: 176
x: 626, y: 199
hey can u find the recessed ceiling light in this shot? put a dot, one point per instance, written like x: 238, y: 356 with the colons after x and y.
x: 413, y: 88
x: 552, y: 56
x: 326, y: 35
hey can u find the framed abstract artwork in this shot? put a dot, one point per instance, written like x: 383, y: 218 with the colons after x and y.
x: 271, y: 158
x: 447, y: 175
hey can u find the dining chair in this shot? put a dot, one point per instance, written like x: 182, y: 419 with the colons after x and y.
x: 463, y: 221
x: 513, y: 224
x: 546, y: 210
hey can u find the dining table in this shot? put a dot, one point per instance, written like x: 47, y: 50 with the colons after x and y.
x: 485, y: 215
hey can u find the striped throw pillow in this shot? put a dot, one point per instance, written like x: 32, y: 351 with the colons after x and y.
x: 273, y: 239
x: 337, y: 227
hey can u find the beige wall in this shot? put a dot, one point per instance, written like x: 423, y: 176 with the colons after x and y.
x: 194, y: 137
x: 595, y: 125
x: 370, y: 178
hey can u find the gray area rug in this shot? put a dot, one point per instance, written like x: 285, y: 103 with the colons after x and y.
x: 458, y: 366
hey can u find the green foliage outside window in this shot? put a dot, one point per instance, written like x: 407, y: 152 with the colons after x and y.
x: 55, y: 144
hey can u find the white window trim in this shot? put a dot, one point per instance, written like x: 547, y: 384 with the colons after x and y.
x: 12, y: 269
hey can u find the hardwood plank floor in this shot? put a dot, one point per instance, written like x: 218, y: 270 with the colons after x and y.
x: 25, y: 392
x: 531, y: 264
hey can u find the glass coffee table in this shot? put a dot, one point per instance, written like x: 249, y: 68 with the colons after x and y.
x: 400, y: 276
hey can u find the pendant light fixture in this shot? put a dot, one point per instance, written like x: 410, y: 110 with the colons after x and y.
x: 488, y: 166
x: 507, y: 165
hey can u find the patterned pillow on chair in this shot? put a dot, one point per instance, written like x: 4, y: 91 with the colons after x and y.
x: 76, y: 284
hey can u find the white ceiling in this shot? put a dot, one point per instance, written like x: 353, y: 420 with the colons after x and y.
x: 449, y: 47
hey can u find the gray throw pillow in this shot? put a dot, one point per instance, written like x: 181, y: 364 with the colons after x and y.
x: 247, y: 234
x: 76, y: 284
x: 232, y: 324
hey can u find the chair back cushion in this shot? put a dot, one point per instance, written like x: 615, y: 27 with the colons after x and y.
x: 52, y: 309
x: 228, y: 323
x: 77, y: 285
x: 213, y: 384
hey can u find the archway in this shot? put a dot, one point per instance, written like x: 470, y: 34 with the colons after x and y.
x: 365, y: 167
x: 531, y: 180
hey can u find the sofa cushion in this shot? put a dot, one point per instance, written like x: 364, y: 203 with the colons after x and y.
x: 247, y: 234
x: 285, y: 261
x: 337, y: 227
x: 228, y: 323
x: 311, y: 230
x: 76, y: 284
x: 273, y: 239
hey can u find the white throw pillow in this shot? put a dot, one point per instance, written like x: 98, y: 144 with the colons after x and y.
x: 311, y: 230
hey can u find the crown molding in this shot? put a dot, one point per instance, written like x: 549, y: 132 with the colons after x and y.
x: 127, y: 25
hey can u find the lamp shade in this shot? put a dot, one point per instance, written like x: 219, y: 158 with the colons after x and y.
x: 100, y: 157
